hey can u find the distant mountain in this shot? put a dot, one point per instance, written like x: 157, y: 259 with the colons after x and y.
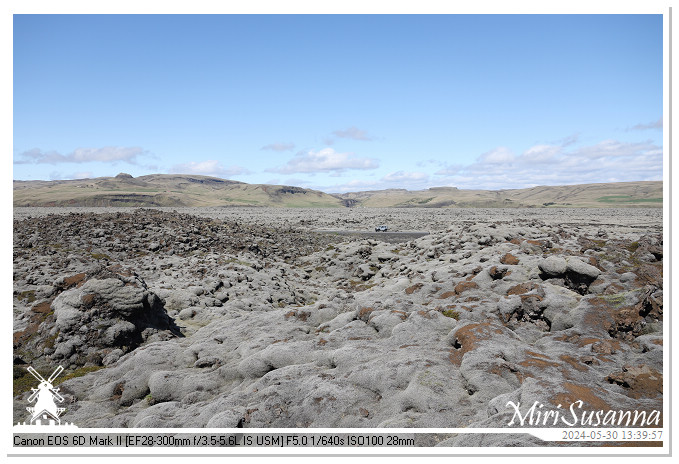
x: 619, y: 194
x: 193, y: 190
x: 165, y: 190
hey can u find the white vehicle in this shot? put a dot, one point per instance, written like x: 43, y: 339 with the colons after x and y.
x: 381, y: 228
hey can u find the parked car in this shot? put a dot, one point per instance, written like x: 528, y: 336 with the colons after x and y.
x: 381, y: 228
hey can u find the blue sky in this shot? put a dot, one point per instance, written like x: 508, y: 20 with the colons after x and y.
x: 341, y: 102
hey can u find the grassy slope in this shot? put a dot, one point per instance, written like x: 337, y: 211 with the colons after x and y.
x: 159, y: 190
x: 648, y: 194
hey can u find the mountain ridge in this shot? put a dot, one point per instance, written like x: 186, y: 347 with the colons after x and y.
x: 199, y: 191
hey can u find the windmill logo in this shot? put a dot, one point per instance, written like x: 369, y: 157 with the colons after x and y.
x: 45, y: 411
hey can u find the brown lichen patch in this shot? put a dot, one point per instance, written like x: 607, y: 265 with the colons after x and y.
x: 424, y: 314
x: 322, y: 342
x: 598, y: 345
x: 88, y: 299
x: 598, y: 281
x: 118, y: 390
x: 522, y: 288
x: 501, y: 370
x: 598, y: 317
x: 299, y: 315
x: 584, y: 341
x: 605, y: 347
x: 44, y: 307
x: 649, y: 274
x: 406, y: 346
x: 537, y: 355
x: 539, y: 243
x: 402, y: 314
x: 470, y: 337
x: 413, y: 288
x: 657, y: 341
x: 634, y: 444
x: 364, y: 314
x: 573, y: 362
x: 614, y: 288
x: 123, y: 271
x: 498, y: 273
x: 532, y: 298
x: 572, y: 338
x: 445, y: 295
x: 464, y: 286
x: 17, y: 338
x: 638, y: 381
x: 628, y: 323
x: 539, y: 363
x: 37, y: 315
x: 75, y: 280
x: 515, y: 241
x: 589, y: 396
x: 594, y: 262
x: 509, y: 259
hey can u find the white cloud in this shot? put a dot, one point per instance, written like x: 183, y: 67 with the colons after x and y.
x: 613, y: 148
x: 81, y: 155
x: 541, y: 153
x: 401, y: 176
x: 449, y: 170
x: 424, y: 163
x: 56, y: 175
x: 353, y: 186
x: 279, y: 146
x: 353, y: 133
x: 325, y: 160
x: 207, y: 168
x: 398, y: 179
x: 651, y: 125
x: 499, y: 155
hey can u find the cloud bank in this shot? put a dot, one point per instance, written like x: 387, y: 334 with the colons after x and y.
x: 651, y: 125
x: 325, y: 160
x: 353, y: 133
x: 607, y: 161
x: 542, y: 164
x: 279, y: 147
x: 81, y: 155
x: 208, y: 168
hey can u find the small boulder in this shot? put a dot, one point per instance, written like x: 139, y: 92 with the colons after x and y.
x: 553, y: 266
x: 578, y: 267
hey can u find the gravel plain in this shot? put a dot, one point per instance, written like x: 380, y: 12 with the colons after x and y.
x: 218, y: 317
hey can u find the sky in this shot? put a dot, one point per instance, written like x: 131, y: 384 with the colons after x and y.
x: 341, y: 103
